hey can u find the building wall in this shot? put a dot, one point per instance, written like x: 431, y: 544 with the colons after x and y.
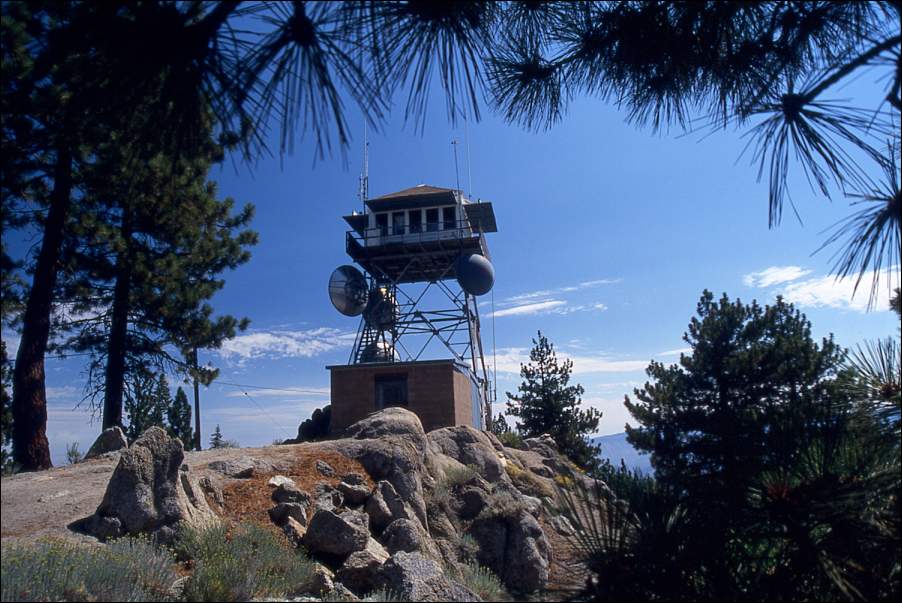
x: 437, y: 392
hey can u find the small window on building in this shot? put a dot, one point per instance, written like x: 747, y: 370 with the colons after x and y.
x: 391, y: 390
x: 397, y: 223
x: 448, y: 218
x: 416, y: 220
x: 431, y: 220
x: 382, y: 224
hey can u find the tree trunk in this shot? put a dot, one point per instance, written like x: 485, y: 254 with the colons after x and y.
x: 197, y: 445
x: 31, y: 450
x: 116, y: 349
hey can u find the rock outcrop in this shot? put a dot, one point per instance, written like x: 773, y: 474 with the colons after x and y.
x: 385, y: 506
x: 110, y: 439
x: 149, y: 492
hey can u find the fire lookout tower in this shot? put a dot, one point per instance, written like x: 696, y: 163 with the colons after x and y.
x: 425, y: 260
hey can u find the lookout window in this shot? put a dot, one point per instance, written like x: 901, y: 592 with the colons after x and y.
x: 382, y: 224
x: 448, y: 218
x: 431, y: 220
x: 416, y: 220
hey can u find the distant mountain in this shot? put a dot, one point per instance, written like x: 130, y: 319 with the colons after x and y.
x: 615, y: 447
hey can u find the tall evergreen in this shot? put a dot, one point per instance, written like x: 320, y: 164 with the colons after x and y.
x: 178, y: 416
x: 547, y: 403
x: 147, y: 256
x: 147, y: 401
x: 216, y: 439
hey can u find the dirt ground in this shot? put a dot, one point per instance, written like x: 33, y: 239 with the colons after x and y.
x: 44, y: 503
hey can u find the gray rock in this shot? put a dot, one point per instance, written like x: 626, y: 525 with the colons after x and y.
x: 211, y: 490
x: 413, y: 577
x: 360, y: 571
x: 397, y: 457
x: 354, y: 494
x: 104, y: 528
x: 386, y: 506
x: 326, y: 498
x: 441, y: 526
x: 241, y: 468
x: 408, y: 536
x: 110, y: 439
x: 321, y: 582
x: 470, y: 446
x: 294, y: 530
x: 290, y: 493
x: 354, y: 479
x: 515, y: 549
x: 279, y: 480
x: 148, y: 493
x: 335, y: 534
x: 324, y: 468
x: 282, y: 511
x: 392, y: 421
x: 472, y: 501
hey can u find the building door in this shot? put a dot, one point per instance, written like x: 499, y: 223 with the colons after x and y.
x: 391, y: 390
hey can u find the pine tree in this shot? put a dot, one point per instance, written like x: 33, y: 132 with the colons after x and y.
x: 546, y: 403
x: 146, y: 402
x: 6, y: 415
x: 216, y: 440
x: 146, y: 258
x: 178, y: 415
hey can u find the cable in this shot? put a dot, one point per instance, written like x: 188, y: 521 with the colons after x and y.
x: 268, y: 416
x: 280, y: 389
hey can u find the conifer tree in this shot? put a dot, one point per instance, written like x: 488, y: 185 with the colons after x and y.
x: 146, y: 257
x: 216, y: 439
x: 547, y: 403
x: 178, y: 416
x: 146, y: 401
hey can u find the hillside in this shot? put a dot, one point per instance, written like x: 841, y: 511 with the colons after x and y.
x: 385, y: 507
x: 615, y: 447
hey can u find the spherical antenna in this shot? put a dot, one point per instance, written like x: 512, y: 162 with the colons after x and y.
x: 475, y: 274
x: 377, y: 351
x: 348, y: 290
x: 381, y: 309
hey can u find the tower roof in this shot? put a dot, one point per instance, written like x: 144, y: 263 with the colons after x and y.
x: 420, y: 189
x: 421, y: 195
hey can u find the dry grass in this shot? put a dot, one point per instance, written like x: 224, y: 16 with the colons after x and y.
x: 248, y: 500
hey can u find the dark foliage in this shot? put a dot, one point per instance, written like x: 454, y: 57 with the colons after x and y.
x: 547, y: 403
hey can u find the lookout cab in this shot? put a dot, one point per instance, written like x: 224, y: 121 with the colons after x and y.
x: 425, y: 260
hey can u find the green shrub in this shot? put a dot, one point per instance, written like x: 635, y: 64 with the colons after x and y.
x: 458, y: 476
x: 439, y: 498
x: 73, y: 454
x: 377, y: 596
x: 483, y: 582
x: 123, y: 570
x: 241, y: 563
x: 511, y: 439
x: 501, y: 504
x: 467, y: 547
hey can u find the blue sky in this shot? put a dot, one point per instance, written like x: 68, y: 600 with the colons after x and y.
x: 608, y: 234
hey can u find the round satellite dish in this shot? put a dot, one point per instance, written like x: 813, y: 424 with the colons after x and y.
x: 475, y: 274
x: 381, y: 309
x: 377, y: 351
x: 348, y: 290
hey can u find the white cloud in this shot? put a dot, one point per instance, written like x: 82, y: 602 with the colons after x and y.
x: 774, y: 276
x: 675, y: 352
x: 825, y: 291
x: 534, y: 308
x: 286, y: 344
x: 533, y: 295
x: 510, y: 359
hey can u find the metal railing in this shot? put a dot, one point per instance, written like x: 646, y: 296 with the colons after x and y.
x: 413, y: 233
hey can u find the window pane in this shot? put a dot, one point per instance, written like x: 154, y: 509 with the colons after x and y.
x: 416, y: 220
x: 432, y: 220
x: 397, y: 222
x: 382, y: 223
x: 391, y: 390
x: 448, y: 218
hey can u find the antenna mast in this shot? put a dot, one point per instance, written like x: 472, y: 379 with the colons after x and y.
x: 456, y: 170
x: 364, y: 185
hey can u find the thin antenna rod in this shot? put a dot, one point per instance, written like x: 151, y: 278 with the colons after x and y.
x: 364, y: 187
x: 456, y: 170
x: 469, y: 173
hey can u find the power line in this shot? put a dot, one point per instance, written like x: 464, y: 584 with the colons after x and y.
x: 280, y: 389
